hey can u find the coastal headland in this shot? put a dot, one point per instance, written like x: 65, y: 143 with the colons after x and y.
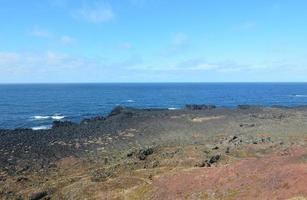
x: 197, y: 152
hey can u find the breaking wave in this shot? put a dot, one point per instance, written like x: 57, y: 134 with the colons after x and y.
x: 301, y: 95
x: 54, y: 117
x: 37, y: 128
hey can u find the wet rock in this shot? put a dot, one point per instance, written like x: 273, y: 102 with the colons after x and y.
x: 128, y: 114
x: 116, y: 111
x: 244, y: 107
x: 60, y: 124
x: 95, y: 119
x: 199, y: 107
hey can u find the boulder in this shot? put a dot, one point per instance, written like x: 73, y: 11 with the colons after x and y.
x: 116, y: 111
x: 60, y: 124
x: 38, y: 195
x: 143, y: 153
x: 94, y: 119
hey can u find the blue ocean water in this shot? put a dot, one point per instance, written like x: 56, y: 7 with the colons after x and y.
x: 37, y: 105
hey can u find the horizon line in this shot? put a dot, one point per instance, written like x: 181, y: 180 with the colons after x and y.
x: 171, y: 82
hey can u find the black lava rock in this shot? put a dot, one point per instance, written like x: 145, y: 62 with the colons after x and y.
x: 199, y: 107
x: 116, y: 111
x: 60, y: 124
x: 213, y: 159
x: 38, y: 195
x: 143, y: 153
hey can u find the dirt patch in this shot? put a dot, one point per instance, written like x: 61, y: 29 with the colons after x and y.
x: 204, y: 119
x: 67, y: 162
x: 276, y: 176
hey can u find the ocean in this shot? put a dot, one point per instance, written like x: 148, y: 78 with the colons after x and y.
x: 37, y: 105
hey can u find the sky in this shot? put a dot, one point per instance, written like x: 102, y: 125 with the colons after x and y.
x: 68, y: 41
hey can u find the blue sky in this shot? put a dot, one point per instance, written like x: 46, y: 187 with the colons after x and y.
x: 153, y: 41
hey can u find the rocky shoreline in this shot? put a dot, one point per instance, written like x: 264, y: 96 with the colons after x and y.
x: 132, y: 148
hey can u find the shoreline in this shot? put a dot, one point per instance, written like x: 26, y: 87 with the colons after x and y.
x: 62, y: 118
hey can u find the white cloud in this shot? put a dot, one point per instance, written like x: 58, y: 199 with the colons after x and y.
x: 223, y: 67
x: 67, y: 40
x: 43, y: 33
x: 61, y: 61
x: 17, y: 67
x: 98, y: 12
x: 195, y: 64
x: 60, y: 67
x: 39, y: 32
x: 46, y: 61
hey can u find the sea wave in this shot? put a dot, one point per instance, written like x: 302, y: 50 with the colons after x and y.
x: 45, y: 127
x: 57, y: 117
x: 54, y: 117
x: 301, y: 95
x: 38, y: 117
x: 130, y: 101
x: 172, y: 108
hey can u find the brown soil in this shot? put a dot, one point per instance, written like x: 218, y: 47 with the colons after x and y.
x: 282, y: 175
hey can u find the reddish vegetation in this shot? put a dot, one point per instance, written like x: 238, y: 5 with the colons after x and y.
x: 282, y: 175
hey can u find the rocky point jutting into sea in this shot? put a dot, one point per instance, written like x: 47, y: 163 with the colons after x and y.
x: 198, y: 152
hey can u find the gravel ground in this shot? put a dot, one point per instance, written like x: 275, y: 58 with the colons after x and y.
x: 127, y: 140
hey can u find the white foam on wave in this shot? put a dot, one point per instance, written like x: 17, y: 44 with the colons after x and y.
x: 38, y: 117
x: 54, y: 117
x: 301, y: 95
x: 172, y: 108
x: 57, y: 117
x: 130, y: 101
x: 37, y: 128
